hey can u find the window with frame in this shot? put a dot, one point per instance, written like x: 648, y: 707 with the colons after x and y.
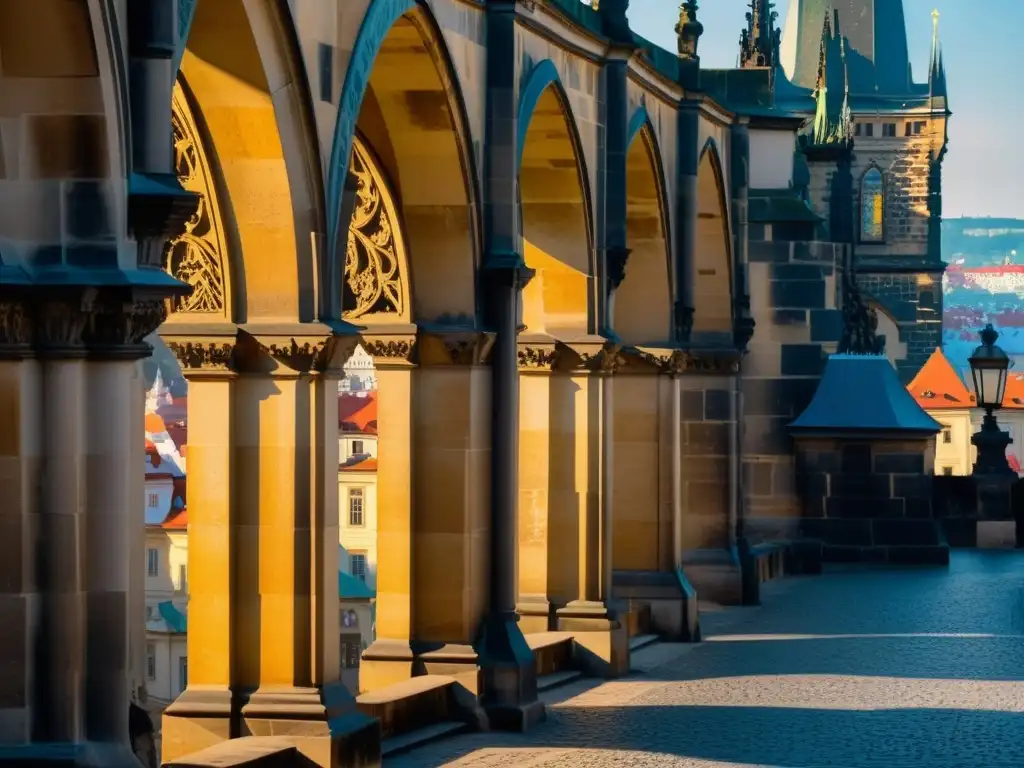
x: 357, y: 564
x: 154, y: 500
x: 918, y: 127
x: 182, y: 672
x: 947, y: 471
x: 357, y: 447
x: 857, y: 129
x: 908, y: 129
x: 869, y: 129
x: 947, y: 435
x: 182, y: 576
x: 153, y: 562
x: 889, y: 129
x: 355, y: 507
x: 872, y: 206
x: 150, y: 661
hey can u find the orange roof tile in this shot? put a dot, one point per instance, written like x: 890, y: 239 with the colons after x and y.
x: 155, y: 424
x: 1013, y: 395
x: 357, y: 414
x: 366, y: 465
x: 938, y: 385
x: 176, y: 520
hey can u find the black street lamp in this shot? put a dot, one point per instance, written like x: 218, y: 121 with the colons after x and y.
x: 989, y: 365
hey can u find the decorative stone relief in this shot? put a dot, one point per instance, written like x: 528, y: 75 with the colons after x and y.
x: 375, y: 256
x: 298, y: 356
x: 118, y: 324
x: 384, y: 351
x: 15, y: 326
x: 196, y: 256
x: 196, y: 356
x: 537, y: 358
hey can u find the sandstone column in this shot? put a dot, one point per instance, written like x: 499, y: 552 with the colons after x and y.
x: 268, y: 605
x: 688, y: 135
x: 590, y: 614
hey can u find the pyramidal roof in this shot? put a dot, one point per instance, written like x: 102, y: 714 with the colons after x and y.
x: 876, y: 44
x: 938, y: 385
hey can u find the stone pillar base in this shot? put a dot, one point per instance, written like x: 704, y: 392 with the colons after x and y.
x: 385, y: 663
x: 198, y: 719
x: 715, y: 574
x: 600, y: 640
x: 534, y: 614
x: 323, y: 724
x: 76, y: 755
x: 454, y: 660
x: 509, y: 675
x: 671, y: 598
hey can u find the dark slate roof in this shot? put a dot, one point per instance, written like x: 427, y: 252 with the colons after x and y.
x: 351, y: 588
x: 175, y: 619
x: 861, y: 394
x: 876, y: 43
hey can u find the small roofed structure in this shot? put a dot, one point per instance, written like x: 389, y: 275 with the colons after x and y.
x: 860, y: 395
x: 865, y: 454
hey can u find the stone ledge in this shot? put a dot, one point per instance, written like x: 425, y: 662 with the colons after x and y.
x: 421, y: 701
x: 250, y: 752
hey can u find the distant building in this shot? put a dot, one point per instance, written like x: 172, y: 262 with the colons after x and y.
x: 945, y: 395
x: 360, y: 375
x: 357, y: 486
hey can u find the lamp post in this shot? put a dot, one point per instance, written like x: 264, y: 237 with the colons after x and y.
x: 989, y: 365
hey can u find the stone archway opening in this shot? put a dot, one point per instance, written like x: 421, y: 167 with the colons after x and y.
x: 643, y: 302
x: 412, y: 143
x: 560, y: 297
x: 712, y: 278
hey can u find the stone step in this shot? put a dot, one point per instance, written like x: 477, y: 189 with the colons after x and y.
x: 641, y: 641
x: 396, y: 745
x: 418, y: 703
x: 552, y: 652
x: 557, y: 680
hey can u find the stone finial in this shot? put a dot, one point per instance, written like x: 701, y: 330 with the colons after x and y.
x: 689, y: 30
x: 860, y: 322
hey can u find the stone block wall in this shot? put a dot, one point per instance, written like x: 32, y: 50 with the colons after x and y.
x: 870, y: 500
x: 795, y: 302
x: 914, y: 302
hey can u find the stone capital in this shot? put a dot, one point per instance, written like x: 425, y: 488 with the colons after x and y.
x: 204, y: 357
x: 461, y: 348
x: 600, y: 356
x: 537, y: 357
x: 649, y: 361
x: 15, y: 330
x: 117, y: 328
x: 391, y: 350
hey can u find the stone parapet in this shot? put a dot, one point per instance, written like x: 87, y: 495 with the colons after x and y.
x: 870, y: 500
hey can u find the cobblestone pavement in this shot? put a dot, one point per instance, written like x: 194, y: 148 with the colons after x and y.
x: 854, y: 669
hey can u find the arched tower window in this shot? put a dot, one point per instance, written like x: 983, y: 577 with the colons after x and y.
x: 872, y: 206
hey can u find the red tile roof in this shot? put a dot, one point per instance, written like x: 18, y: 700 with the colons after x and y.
x: 938, y: 385
x: 1013, y: 395
x: 177, y: 520
x: 357, y: 414
x: 368, y: 464
x: 155, y: 424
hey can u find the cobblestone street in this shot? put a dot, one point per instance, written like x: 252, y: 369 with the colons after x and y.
x: 854, y: 669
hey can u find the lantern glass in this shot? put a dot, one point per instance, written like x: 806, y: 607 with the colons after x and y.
x: 989, y: 365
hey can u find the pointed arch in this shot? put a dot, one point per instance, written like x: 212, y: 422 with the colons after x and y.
x: 713, y: 267
x: 643, y: 302
x: 401, y: 95
x: 238, y: 58
x: 555, y: 209
x: 871, y: 197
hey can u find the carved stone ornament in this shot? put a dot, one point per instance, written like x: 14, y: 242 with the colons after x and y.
x: 15, y: 325
x: 606, y: 361
x: 196, y: 256
x: 60, y: 325
x: 390, y: 350
x: 537, y: 358
x: 199, y: 356
x: 375, y: 256
x: 123, y: 326
x: 302, y: 357
x: 474, y: 350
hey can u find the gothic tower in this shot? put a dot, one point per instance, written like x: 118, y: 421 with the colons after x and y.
x: 900, y: 138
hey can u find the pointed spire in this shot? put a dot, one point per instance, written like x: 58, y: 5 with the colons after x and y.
x: 936, y: 68
x: 759, y: 42
x: 832, y: 118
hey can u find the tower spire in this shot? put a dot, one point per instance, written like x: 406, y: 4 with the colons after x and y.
x: 832, y: 118
x: 936, y: 69
x: 759, y: 42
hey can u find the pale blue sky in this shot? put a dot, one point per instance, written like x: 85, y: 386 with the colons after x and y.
x: 981, y: 42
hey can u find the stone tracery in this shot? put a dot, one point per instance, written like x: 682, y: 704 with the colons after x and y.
x: 375, y: 253
x: 196, y: 255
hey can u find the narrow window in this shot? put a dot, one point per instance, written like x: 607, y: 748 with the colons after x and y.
x: 326, y: 56
x: 908, y: 130
x: 150, y: 662
x: 153, y: 562
x: 872, y: 206
x: 947, y: 436
x: 355, y: 506
x: 869, y: 129
x: 357, y: 447
x: 182, y: 577
x: 856, y: 129
x: 182, y: 672
x: 947, y: 471
x: 154, y: 500
x: 357, y: 563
